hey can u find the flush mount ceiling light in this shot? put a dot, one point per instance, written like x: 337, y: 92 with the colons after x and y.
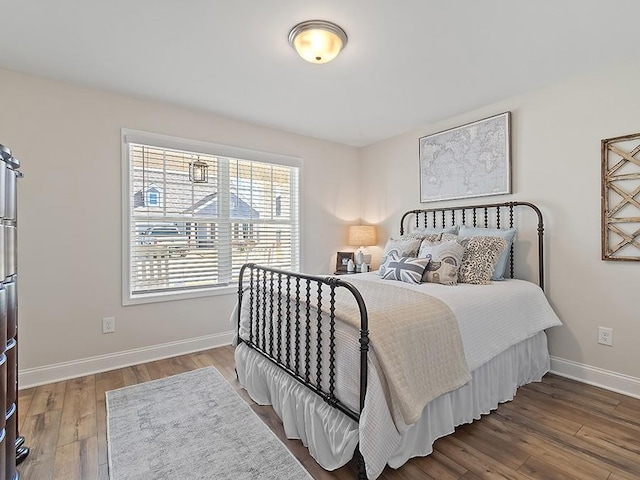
x: 317, y: 41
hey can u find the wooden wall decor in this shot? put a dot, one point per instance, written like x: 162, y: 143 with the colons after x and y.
x: 621, y: 198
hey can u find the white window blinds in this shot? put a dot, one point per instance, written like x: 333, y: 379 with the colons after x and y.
x: 195, y: 218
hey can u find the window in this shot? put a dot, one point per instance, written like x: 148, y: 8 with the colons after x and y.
x: 188, y: 235
x: 153, y: 199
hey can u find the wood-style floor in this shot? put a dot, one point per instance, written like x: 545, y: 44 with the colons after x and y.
x: 555, y: 430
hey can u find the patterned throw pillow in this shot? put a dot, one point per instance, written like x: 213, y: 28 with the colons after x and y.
x: 480, y: 258
x: 431, y: 240
x: 433, y: 233
x: 401, y: 247
x: 508, y: 234
x: 429, y: 237
x: 446, y: 258
x: 404, y: 269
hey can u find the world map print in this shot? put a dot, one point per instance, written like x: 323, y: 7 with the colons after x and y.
x: 467, y: 161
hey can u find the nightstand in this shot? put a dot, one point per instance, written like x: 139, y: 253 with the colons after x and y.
x: 344, y: 272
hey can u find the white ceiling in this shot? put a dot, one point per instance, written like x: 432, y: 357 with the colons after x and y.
x: 407, y: 63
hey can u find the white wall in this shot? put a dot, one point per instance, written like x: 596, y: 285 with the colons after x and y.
x: 68, y: 139
x: 556, y: 164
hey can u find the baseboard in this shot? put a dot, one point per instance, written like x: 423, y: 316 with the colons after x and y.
x: 32, y: 377
x: 616, y: 382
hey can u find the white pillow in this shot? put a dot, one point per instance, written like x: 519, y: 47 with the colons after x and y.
x: 446, y: 258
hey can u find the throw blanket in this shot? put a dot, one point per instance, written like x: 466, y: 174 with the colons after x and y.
x: 416, y: 340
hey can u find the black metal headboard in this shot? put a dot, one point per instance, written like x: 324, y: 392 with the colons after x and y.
x: 488, y: 215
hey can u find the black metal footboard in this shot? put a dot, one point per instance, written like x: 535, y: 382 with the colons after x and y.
x: 292, y: 322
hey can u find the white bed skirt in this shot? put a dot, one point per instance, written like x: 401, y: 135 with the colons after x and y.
x: 332, y: 437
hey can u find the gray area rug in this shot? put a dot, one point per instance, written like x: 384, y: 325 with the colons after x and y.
x: 192, y: 426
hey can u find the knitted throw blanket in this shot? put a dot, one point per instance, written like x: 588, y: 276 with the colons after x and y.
x: 417, y: 342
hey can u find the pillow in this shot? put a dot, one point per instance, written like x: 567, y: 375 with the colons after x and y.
x: 445, y: 237
x: 446, y: 258
x: 404, y: 269
x: 480, y: 257
x: 424, y: 231
x: 430, y: 237
x: 434, y: 239
x: 508, y: 234
x: 401, y: 247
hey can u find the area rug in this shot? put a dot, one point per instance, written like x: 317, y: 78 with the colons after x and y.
x: 192, y: 426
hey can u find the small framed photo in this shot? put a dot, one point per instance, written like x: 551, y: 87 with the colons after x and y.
x: 342, y: 258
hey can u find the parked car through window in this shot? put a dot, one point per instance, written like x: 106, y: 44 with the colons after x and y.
x: 167, y: 238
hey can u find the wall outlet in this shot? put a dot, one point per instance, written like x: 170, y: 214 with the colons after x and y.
x: 605, y: 336
x: 108, y: 324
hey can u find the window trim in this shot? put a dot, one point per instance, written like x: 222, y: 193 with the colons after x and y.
x: 166, y: 141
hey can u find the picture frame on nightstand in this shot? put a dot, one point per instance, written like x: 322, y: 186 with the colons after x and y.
x: 342, y: 259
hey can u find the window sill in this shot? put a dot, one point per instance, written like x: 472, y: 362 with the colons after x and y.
x: 172, y: 296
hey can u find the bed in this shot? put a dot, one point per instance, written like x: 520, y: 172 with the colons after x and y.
x: 380, y: 369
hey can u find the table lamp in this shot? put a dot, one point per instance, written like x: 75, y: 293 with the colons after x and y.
x: 362, y: 236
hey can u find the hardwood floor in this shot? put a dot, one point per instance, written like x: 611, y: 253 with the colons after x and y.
x: 555, y: 430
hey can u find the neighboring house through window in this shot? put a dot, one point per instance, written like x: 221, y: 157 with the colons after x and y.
x: 185, y: 238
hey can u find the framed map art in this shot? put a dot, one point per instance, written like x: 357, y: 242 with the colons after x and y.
x: 473, y: 160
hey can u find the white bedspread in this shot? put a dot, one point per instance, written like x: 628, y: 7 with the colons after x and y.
x: 492, y: 319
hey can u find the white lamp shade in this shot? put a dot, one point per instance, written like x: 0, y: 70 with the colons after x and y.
x: 363, y: 235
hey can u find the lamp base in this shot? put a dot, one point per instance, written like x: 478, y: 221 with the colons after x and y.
x: 361, y: 258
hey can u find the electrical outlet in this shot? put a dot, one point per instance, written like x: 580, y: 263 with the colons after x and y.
x: 605, y: 336
x: 108, y: 324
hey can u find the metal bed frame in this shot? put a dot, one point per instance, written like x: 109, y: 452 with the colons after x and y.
x: 275, y: 323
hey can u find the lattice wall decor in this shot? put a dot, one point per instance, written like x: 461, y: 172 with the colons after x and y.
x: 621, y: 198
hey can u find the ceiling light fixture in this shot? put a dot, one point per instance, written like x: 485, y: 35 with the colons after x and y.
x: 317, y: 41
